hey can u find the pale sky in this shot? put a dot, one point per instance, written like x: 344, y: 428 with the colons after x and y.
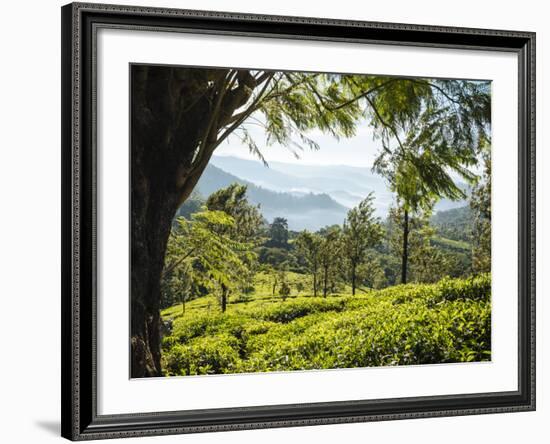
x: 359, y: 150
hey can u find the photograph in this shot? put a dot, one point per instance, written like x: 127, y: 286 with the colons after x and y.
x: 306, y: 221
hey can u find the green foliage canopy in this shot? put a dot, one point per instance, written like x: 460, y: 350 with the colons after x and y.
x: 481, y: 208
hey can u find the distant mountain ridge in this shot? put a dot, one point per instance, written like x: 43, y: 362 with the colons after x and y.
x: 308, y: 196
x: 303, y: 211
x: 347, y: 185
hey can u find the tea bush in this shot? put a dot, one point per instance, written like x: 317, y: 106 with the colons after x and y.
x: 407, y: 324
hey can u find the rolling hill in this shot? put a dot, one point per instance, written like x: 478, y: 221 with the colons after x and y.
x: 345, y: 184
x: 308, y: 196
x: 302, y: 210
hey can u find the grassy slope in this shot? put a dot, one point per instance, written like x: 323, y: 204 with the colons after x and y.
x: 452, y: 244
x: 406, y: 324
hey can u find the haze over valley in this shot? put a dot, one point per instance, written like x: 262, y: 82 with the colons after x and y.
x: 308, y: 196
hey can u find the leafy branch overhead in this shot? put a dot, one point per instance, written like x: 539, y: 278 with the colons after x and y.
x: 439, y: 124
x: 432, y: 126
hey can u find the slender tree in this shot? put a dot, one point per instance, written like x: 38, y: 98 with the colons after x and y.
x: 423, y: 261
x: 309, y: 246
x: 371, y: 272
x: 420, y: 150
x: 330, y: 250
x: 203, y: 251
x: 361, y: 231
x: 409, y: 216
x: 248, y: 220
x: 278, y: 232
x: 406, y: 226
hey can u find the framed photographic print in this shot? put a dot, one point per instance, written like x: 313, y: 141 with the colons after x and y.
x: 280, y: 221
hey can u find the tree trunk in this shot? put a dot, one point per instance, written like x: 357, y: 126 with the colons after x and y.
x: 325, y: 282
x: 224, y: 298
x: 315, y: 284
x: 353, y: 279
x: 177, y: 114
x: 161, y: 156
x: 405, y: 256
x: 150, y: 230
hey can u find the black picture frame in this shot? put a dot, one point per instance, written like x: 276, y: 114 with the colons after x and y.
x: 80, y: 420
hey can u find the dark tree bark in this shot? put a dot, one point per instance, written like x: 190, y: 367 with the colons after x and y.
x: 353, y: 278
x: 405, y: 254
x: 315, y: 284
x: 223, y: 304
x: 325, y: 281
x: 177, y: 115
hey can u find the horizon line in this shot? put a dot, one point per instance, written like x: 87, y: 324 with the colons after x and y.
x: 293, y: 163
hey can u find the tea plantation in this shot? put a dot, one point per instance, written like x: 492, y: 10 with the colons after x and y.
x: 449, y: 321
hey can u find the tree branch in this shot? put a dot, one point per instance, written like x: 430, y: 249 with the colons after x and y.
x: 433, y: 85
x: 265, y: 76
x: 238, y: 116
x: 171, y: 267
x: 387, y: 125
x: 242, y: 116
x: 227, y: 84
x: 206, y: 152
x: 293, y: 85
x: 349, y: 102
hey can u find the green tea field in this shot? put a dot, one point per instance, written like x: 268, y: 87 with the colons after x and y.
x: 449, y: 321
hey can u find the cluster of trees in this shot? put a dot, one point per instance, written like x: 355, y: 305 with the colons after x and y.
x: 427, y: 129
x: 224, y: 241
x: 212, y: 251
x: 336, y: 253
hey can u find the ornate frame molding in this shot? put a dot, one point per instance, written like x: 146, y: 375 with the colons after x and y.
x: 79, y: 395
